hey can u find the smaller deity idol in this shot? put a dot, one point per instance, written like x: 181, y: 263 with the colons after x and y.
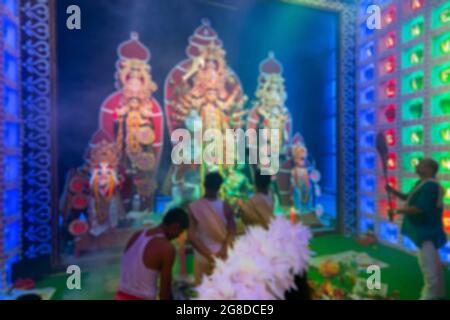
x: 304, y: 179
x: 105, y: 206
x: 269, y: 111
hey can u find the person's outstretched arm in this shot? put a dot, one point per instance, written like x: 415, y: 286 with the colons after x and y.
x: 398, y: 194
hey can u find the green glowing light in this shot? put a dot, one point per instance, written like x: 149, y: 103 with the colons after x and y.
x: 412, y: 56
x: 412, y: 109
x: 413, y: 28
x: 440, y: 104
x: 443, y: 158
x: 411, y: 159
x: 413, y: 82
x: 412, y: 136
x: 440, y: 75
x: 440, y: 133
x: 440, y: 16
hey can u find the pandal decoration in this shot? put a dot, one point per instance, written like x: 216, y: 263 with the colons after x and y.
x: 262, y: 265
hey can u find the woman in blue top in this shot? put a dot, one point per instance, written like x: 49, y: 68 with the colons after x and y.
x: 422, y: 224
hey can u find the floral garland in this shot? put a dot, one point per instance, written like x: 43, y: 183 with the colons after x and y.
x: 262, y: 265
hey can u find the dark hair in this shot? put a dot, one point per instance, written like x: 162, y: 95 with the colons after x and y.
x: 176, y: 215
x: 29, y: 297
x: 303, y: 291
x: 262, y: 181
x: 213, y: 181
x: 432, y: 164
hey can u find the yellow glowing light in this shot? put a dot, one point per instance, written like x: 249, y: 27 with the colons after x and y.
x: 414, y: 58
x: 416, y: 83
x: 415, y: 137
x: 447, y: 193
x: 416, y: 30
x: 445, y: 75
x: 446, y: 222
x: 446, y: 134
x: 445, y: 163
x: 445, y: 15
x: 414, y: 162
x: 445, y: 46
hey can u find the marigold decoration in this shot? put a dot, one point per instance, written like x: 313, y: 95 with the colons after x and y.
x: 329, y: 268
x: 262, y: 265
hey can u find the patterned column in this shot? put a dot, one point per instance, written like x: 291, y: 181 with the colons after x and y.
x: 38, y: 149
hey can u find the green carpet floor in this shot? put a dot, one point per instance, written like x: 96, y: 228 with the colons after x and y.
x: 403, y: 273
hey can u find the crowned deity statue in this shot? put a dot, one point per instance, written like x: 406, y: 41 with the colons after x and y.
x: 269, y: 110
x: 105, y: 205
x: 205, y: 88
x: 299, y: 180
x: 134, y: 118
x: 91, y: 204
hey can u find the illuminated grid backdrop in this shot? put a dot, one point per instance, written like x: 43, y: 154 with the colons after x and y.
x: 404, y: 90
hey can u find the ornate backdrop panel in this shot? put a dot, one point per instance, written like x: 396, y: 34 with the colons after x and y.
x: 39, y: 157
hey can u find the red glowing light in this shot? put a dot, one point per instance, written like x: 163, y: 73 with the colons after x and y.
x: 390, y: 41
x: 390, y: 113
x: 390, y: 137
x: 390, y: 16
x: 416, y: 4
x: 391, y: 89
x: 392, y: 181
x: 446, y: 221
x: 383, y: 207
x: 392, y: 161
x: 390, y: 64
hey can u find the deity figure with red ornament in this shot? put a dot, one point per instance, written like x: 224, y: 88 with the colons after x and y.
x: 134, y: 118
x: 92, y: 204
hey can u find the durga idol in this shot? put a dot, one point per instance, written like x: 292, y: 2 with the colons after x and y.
x: 203, y: 87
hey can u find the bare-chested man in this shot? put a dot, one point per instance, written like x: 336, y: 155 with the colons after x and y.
x: 150, y: 255
x: 212, y: 227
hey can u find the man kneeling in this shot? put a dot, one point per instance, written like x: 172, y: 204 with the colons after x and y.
x: 148, y: 256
